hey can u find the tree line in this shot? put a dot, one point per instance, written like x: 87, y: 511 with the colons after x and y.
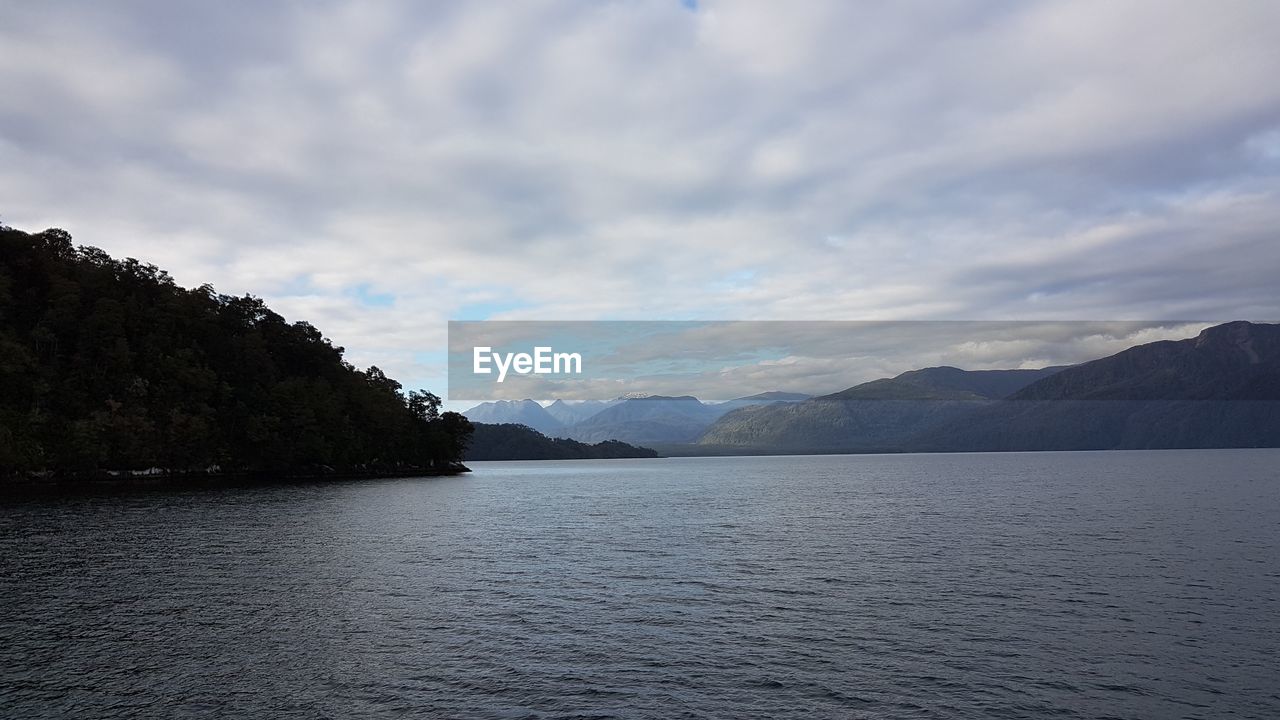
x: 107, y: 365
x: 510, y: 441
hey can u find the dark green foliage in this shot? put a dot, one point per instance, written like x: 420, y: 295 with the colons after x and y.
x: 509, y: 441
x: 107, y: 365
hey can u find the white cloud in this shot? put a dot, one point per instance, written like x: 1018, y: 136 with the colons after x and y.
x: 580, y: 160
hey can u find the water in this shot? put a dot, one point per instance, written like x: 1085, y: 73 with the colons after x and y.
x: 1128, y: 584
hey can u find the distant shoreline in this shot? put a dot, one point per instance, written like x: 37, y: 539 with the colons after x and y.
x: 88, y: 485
x: 667, y: 453
x: 672, y: 451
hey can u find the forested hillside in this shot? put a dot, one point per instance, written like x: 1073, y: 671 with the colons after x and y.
x: 876, y: 416
x: 108, y: 366
x: 1220, y: 389
x: 511, y: 441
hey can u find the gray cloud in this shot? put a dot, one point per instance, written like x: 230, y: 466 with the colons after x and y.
x: 559, y: 160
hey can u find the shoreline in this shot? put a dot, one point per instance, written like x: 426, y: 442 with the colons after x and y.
x: 72, y: 485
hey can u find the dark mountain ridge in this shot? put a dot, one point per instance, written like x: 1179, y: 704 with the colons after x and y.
x: 1234, y: 361
x: 945, y: 383
x: 770, y: 397
x: 1218, y: 389
x: 877, y: 415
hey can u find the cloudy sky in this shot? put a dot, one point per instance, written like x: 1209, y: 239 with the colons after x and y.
x: 380, y: 168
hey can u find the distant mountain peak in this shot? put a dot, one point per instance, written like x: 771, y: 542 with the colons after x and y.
x: 944, y: 383
x: 522, y: 412
x: 1233, y: 361
x: 773, y: 396
x: 1239, y: 334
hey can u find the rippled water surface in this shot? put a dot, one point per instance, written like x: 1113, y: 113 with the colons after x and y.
x: 1127, y: 584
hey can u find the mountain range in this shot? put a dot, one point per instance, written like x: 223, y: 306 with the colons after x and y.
x: 568, y: 414
x: 516, y: 412
x: 1218, y: 389
x: 645, y: 419
x: 873, y: 415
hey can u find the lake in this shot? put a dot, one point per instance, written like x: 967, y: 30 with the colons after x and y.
x: 1104, y: 584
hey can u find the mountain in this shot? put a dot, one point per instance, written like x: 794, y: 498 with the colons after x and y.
x: 1234, y: 361
x: 773, y: 396
x: 877, y: 415
x: 632, y: 418
x: 653, y: 419
x: 572, y: 413
x: 764, y: 398
x: 1219, y: 389
x: 519, y: 442
x: 945, y: 383
x: 517, y: 412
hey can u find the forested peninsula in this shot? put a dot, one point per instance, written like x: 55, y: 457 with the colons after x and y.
x: 512, y: 441
x: 111, y: 371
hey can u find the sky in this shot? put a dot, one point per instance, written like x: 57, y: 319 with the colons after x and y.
x: 380, y: 168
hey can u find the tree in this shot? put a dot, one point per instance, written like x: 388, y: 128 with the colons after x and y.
x: 107, y: 364
x: 424, y: 405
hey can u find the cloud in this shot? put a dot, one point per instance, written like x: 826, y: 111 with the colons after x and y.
x: 648, y: 160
